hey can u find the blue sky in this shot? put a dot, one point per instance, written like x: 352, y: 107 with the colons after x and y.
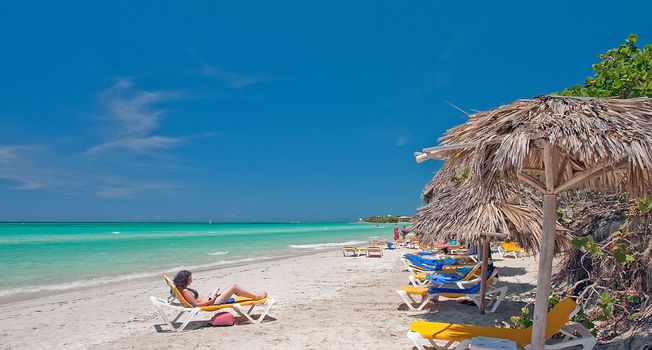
x: 261, y: 110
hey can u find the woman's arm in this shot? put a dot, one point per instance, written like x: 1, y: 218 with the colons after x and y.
x: 190, y: 297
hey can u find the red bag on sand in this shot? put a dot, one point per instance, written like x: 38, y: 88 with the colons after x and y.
x: 222, y: 319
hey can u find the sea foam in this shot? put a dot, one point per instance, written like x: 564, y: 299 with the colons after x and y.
x: 223, y: 252
x: 91, y: 282
x: 324, y: 245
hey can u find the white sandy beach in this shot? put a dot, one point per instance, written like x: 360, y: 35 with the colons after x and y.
x: 324, y: 301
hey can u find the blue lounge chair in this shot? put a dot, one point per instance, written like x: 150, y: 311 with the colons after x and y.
x: 472, y: 292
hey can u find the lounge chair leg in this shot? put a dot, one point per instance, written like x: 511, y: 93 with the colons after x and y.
x: 416, y: 339
x: 498, y: 298
x: 165, y: 317
x: 410, y: 301
x: 190, y: 317
x: 413, y: 281
x: 247, y: 314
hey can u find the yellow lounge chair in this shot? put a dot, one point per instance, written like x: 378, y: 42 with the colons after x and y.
x: 510, y: 249
x: 413, y: 243
x: 557, y: 321
x: 243, y: 306
x: 469, y: 290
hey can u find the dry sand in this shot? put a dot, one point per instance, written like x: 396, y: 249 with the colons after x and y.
x: 324, y: 301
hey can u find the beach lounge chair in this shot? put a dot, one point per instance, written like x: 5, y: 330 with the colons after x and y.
x: 374, y: 251
x: 452, y: 275
x: 414, y: 242
x: 510, y: 248
x: 558, y: 321
x: 242, y: 306
x: 452, y: 244
x: 350, y: 250
x: 422, y: 279
x: 424, y: 262
x: 416, y: 264
x: 426, y: 294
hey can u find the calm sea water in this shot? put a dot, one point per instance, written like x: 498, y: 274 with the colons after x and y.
x: 53, y: 256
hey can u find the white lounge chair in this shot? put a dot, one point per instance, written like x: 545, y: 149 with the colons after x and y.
x: 242, y: 306
x: 374, y: 251
x: 349, y: 250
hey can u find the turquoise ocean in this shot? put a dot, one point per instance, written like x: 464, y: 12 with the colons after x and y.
x: 38, y: 257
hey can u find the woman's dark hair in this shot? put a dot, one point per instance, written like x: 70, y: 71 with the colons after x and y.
x: 182, y: 279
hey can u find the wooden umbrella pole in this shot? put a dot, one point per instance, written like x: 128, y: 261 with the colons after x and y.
x: 483, y: 273
x: 545, y: 271
x: 546, y: 251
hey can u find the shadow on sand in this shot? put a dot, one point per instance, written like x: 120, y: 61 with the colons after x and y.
x: 508, y: 271
x: 195, y: 325
x: 464, y: 311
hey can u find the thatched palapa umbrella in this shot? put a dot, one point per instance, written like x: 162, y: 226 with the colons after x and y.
x: 453, y: 210
x: 554, y: 144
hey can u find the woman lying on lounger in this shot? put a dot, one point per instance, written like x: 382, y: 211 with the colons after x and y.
x: 184, y: 278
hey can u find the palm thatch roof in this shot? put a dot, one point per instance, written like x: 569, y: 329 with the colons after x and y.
x: 452, y: 210
x: 600, y: 143
x: 554, y: 144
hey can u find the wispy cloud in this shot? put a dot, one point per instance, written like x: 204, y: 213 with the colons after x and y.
x: 234, y: 80
x: 16, y: 165
x: 131, y: 190
x: 7, y: 154
x: 134, y: 116
x: 130, y: 119
x: 404, y: 137
x: 138, y: 144
x: 40, y: 168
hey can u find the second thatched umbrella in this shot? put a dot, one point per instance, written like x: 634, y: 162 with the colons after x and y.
x: 554, y: 144
x: 452, y: 210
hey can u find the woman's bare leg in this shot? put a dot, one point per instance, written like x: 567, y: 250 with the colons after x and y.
x: 236, y: 290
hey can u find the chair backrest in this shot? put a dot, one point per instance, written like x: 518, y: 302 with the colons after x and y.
x: 176, y: 292
x: 559, y: 316
x: 476, y: 271
x: 510, y: 246
x: 556, y: 319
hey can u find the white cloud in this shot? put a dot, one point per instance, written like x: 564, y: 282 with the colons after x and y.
x: 404, y: 137
x: 131, y: 120
x: 134, y: 117
x: 234, y: 80
x: 130, y: 190
x: 40, y: 168
x: 16, y: 166
x: 138, y: 144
